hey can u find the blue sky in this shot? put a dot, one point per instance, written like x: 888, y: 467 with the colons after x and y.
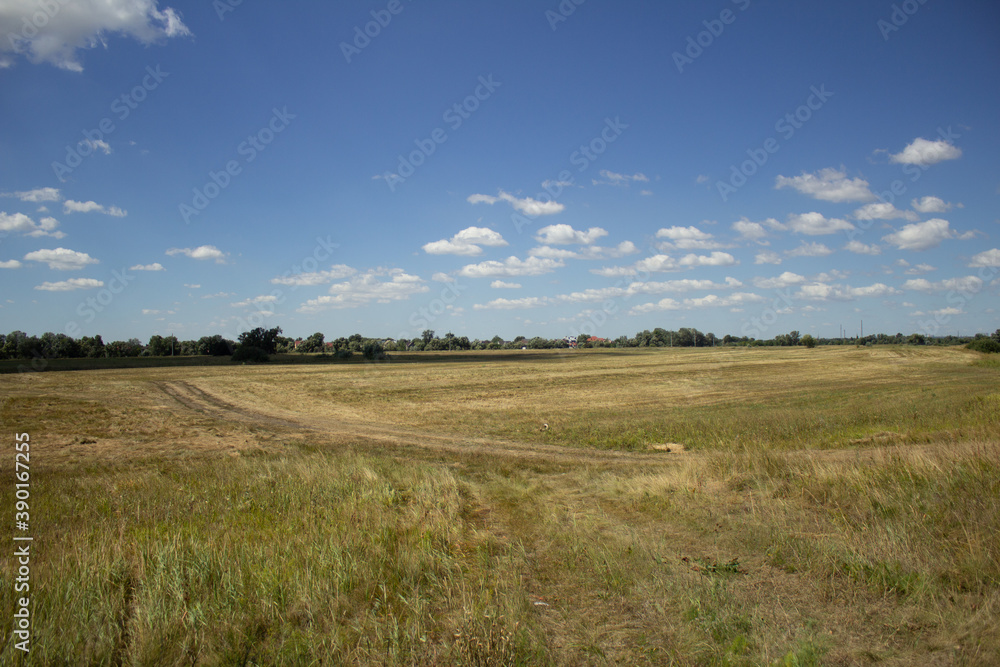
x: 534, y: 168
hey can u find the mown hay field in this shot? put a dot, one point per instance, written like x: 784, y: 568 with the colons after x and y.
x: 717, y: 506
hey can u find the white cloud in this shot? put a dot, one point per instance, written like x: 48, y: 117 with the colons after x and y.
x: 255, y: 301
x: 860, y: 248
x: 816, y: 224
x: 828, y: 185
x: 10, y: 264
x: 201, y: 252
x: 809, y: 250
x: 611, y: 178
x: 676, y: 286
x: 511, y: 304
x: 687, y: 238
x: 38, y: 195
x: 19, y: 222
x: 70, y: 285
x: 921, y: 235
x: 818, y: 291
x: 563, y: 234
x: 786, y: 279
x: 966, y: 285
x: 614, y: 271
x: 987, y: 258
x: 501, y: 284
x: 556, y: 184
x: 656, y: 263
x: 155, y: 266
x: 708, y: 301
x: 932, y: 205
x: 467, y: 242
x: 192, y: 286
x: 925, y: 153
x: 883, y: 211
x: 717, y: 258
x: 82, y: 24
x: 767, y: 257
x: 70, y: 206
x: 512, y: 266
x: 442, y: 277
x: 753, y: 231
x: 367, y: 287
x: 586, y: 252
x: 335, y: 272
x: 918, y: 269
x: 527, y: 205
x: 61, y: 259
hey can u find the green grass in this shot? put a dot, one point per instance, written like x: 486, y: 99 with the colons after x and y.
x: 832, y: 507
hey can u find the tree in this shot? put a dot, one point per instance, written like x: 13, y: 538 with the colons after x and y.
x: 793, y: 337
x: 372, y: 350
x: 427, y: 336
x: 216, y: 346
x: 808, y: 341
x: 996, y: 335
x: 314, y: 343
x: 261, y: 338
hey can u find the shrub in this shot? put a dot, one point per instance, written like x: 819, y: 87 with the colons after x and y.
x: 372, y: 350
x: 250, y: 353
x: 984, y: 345
x: 808, y: 341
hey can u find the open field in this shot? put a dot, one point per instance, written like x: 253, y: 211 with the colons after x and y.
x: 825, y: 506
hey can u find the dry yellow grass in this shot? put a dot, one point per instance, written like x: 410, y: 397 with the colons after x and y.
x: 830, y: 506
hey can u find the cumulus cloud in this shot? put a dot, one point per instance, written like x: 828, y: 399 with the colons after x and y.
x: 816, y: 224
x: 70, y: 285
x: 61, y: 259
x: 966, y: 285
x: 10, y: 264
x: 563, y: 234
x: 155, y: 266
x: 883, y: 211
x: 511, y: 304
x: 921, y: 235
x: 586, y: 252
x: 987, y: 258
x: 828, y: 185
x: 818, y: 291
x: 717, y: 258
x: 932, y: 205
x: 860, y: 248
x: 635, y: 288
x: 925, y: 153
x: 809, y: 250
x: 754, y: 231
x: 380, y: 285
x: 256, y: 302
x: 82, y: 24
x: 21, y: 223
x: 335, y: 272
x: 38, y: 195
x: 502, y: 284
x: 526, y: 205
x: 767, y: 257
x: 786, y: 279
x: 467, y: 242
x: 512, y: 266
x: 70, y: 206
x: 201, y: 252
x: 708, y: 301
x: 687, y: 238
x: 611, y: 178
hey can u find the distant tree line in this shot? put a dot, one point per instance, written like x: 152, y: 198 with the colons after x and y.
x: 258, y: 344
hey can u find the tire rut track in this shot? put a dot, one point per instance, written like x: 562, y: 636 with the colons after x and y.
x: 197, y: 399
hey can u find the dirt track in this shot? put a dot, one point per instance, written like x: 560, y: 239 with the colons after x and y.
x: 191, y: 397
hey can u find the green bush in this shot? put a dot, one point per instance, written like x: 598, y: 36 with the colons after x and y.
x: 984, y: 345
x: 250, y: 353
